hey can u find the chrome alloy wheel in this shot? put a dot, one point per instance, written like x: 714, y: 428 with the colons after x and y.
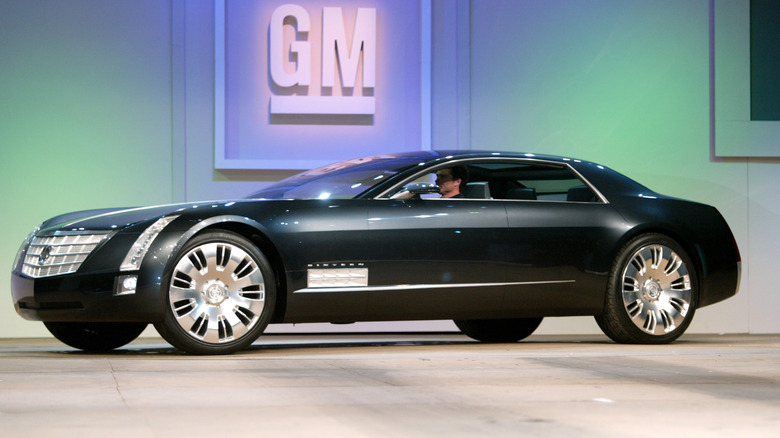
x: 217, y: 292
x: 657, y: 290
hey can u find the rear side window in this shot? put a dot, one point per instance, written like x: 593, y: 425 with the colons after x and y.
x: 531, y: 181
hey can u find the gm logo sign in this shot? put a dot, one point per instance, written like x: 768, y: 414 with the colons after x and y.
x: 348, y: 62
x: 299, y: 84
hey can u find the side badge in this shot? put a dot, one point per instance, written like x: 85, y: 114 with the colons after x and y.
x: 337, y: 275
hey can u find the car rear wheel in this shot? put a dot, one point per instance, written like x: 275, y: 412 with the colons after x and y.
x: 221, y: 295
x: 96, y: 336
x: 652, y: 292
x: 498, y: 330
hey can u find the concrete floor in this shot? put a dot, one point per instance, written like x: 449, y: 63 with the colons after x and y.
x: 396, y: 386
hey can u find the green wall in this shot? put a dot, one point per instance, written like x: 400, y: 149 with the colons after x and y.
x: 85, y: 116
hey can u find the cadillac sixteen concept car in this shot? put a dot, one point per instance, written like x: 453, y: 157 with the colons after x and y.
x: 370, y: 239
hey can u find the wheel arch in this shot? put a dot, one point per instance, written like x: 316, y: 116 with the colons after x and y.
x: 692, y: 249
x: 258, y: 235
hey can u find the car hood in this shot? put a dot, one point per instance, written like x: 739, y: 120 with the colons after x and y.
x: 116, y: 218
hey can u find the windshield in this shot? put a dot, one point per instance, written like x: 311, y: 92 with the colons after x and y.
x: 344, y: 180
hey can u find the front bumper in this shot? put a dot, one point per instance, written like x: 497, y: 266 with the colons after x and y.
x: 86, y: 298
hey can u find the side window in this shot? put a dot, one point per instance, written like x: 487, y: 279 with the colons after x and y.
x: 532, y: 181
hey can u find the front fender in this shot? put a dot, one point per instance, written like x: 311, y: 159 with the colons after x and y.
x: 158, y: 263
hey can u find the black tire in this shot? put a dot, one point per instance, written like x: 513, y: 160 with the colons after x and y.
x: 95, y: 336
x: 652, y: 292
x: 220, y: 295
x: 498, y: 330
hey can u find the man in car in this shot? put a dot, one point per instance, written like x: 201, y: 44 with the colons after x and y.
x: 452, y: 181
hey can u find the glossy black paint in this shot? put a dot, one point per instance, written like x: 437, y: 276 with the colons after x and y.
x: 461, y: 259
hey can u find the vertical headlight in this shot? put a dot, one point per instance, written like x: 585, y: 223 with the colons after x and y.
x: 137, y: 252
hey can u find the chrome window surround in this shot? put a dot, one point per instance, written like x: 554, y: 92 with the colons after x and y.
x: 386, y: 194
x: 60, y: 253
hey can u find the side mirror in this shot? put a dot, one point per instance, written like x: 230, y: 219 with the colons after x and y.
x: 415, y: 189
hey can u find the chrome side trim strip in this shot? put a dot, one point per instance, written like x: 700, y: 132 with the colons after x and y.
x: 397, y: 287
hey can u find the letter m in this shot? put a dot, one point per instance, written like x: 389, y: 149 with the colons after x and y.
x: 334, y: 42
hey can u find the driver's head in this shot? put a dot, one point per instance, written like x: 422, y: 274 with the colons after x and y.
x: 451, y: 181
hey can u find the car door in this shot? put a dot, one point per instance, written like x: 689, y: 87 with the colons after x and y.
x: 324, y: 245
x: 436, y: 258
x: 557, y: 263
x: 561, y: 233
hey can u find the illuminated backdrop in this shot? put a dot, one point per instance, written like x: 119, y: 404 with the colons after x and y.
x: 298, y: 90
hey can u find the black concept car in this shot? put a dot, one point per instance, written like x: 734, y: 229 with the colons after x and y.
x: 371, y: 239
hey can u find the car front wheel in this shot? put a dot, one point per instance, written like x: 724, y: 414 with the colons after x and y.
x: 652, y: 292
x: 220, y: 295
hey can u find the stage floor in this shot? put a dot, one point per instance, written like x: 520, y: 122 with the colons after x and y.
x: 396, y: 385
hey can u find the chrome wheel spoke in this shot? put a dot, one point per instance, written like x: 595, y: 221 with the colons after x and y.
x: 255, y: 292
x: 180, y: 293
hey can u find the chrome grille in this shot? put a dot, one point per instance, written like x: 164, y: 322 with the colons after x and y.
x: 59, y: 254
